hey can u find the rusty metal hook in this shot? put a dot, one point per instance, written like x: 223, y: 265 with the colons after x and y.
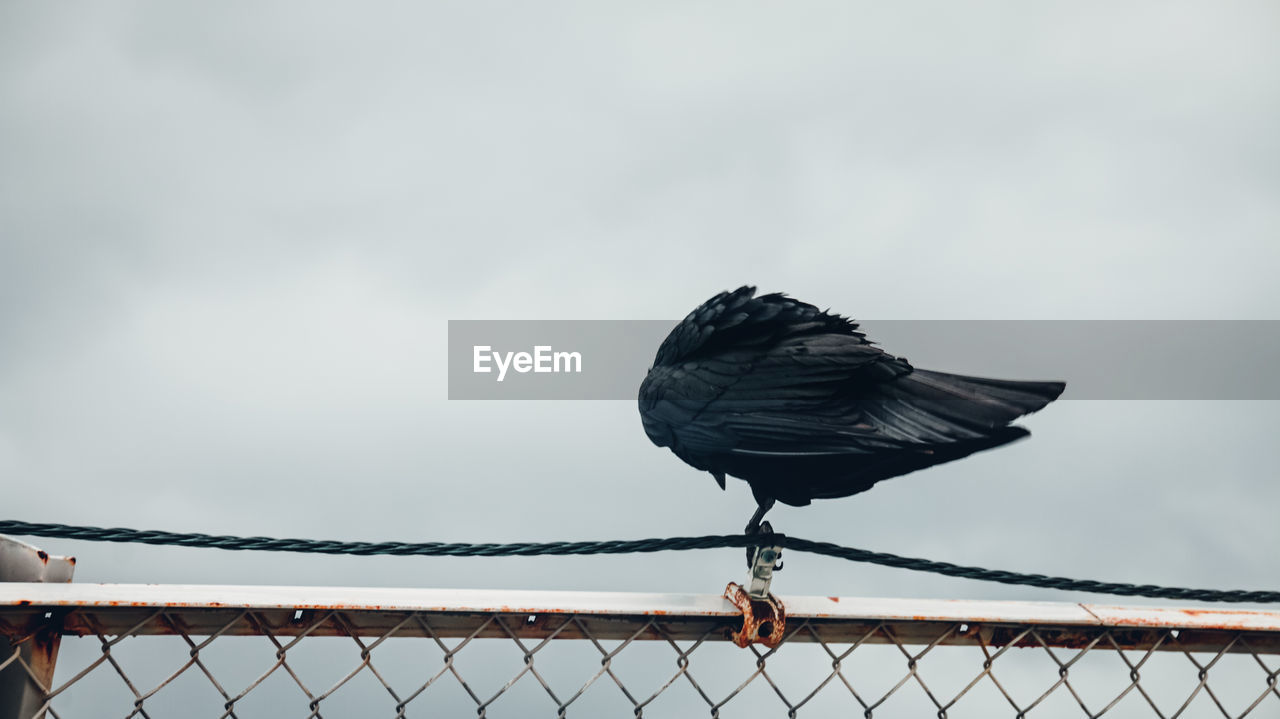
x: 763, y: 620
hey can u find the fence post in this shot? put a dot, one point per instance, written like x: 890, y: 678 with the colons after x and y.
x: 27, y: 678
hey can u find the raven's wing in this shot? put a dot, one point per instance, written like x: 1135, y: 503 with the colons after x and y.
x: 801, y: 396
x: 768, y: 374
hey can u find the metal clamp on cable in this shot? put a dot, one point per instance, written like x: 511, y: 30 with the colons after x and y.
x: 764, y: 563
x: 763, y: 617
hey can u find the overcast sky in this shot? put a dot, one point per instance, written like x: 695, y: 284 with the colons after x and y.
x: 231, y: 237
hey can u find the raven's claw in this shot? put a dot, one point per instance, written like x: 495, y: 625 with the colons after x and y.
x: 755, y: 528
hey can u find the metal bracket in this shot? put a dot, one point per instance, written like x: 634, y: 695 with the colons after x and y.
x: 764, y: 563
x: 763, y: 616
x: 763, y: 620
x: 25, y: 682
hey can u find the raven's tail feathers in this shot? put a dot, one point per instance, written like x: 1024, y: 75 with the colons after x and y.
x: 930, y: 407
x: 1015, y: 397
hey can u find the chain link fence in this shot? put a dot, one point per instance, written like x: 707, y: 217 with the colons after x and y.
x: 262, y: 652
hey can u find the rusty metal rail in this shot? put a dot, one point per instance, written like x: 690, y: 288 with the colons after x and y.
x: 1234, y: 656
x: 204, y: 609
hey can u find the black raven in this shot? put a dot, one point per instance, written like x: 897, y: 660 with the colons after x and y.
x: 797, y: 402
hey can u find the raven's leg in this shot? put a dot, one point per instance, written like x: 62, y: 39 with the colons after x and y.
x: 756, y: 526
x: 753, y: 526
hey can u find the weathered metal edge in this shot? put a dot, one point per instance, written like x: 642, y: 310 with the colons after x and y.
x: 173, y: 596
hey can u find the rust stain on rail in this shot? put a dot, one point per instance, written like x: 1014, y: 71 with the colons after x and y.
x: 1202, y: 619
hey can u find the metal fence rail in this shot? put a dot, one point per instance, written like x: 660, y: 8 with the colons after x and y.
x: 153, y: 650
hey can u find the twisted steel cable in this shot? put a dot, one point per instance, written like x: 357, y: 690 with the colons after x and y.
x: 627, y: 546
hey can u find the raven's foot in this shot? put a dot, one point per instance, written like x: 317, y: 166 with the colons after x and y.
x: 758, y: 526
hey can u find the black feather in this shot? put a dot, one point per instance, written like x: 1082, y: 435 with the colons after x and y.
x: 801, y: 405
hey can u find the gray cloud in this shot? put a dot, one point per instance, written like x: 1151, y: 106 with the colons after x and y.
x: 231, y: 237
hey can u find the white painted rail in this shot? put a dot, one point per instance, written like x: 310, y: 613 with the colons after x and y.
x: 151, y: 609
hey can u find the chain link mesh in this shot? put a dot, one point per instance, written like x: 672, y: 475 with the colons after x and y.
x: 325, y: 666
